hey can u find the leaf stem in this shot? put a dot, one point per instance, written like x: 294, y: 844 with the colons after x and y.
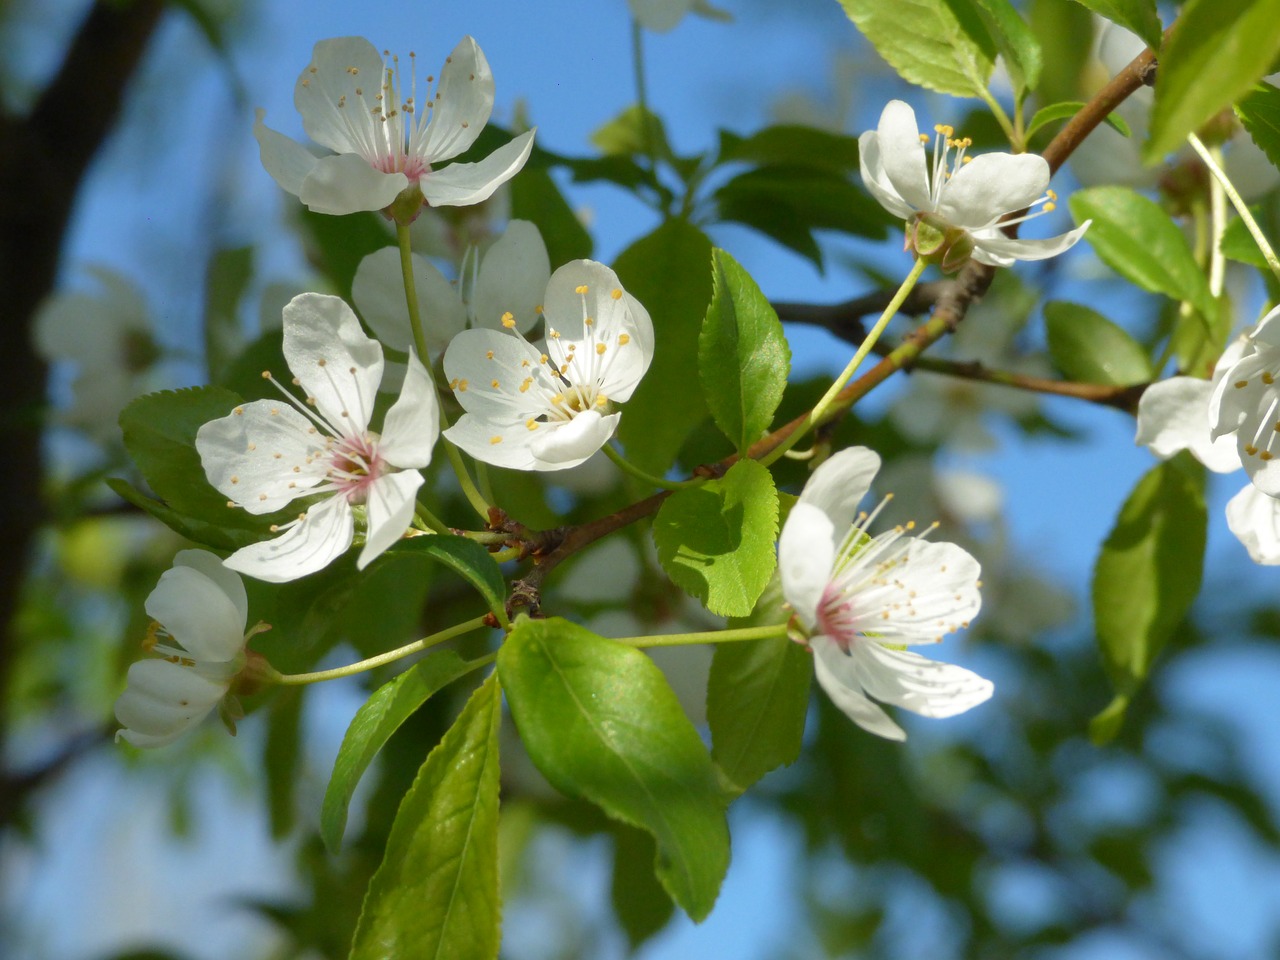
x: 628, y: 467
x: 298, y: 679
x: 1237, y: 201
x: 816, y: 414
x: 706, y: 636
x: 429, y: 518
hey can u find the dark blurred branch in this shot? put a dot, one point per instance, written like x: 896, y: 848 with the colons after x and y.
x: 43, y: 158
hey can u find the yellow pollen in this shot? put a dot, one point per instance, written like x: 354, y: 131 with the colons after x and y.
x: 462, y: 386
x: 493, y: 440
x: 508, y: 320
x: 601, y: 400
x: 235, y: 479
x: 580, y: 289
x: 528, y: 382
x: 1251, y: 450
x: 531, y: 424
x: 616, y: 293
x: 558, y: 398
x: 488, y: 355
x: 1051, y: 194
x: 601, y: 348
x: 543, y: 359
x: 538, y: 309
x: 321, y: 362
x: 1264, y: 455
x: 1267, y: 378
x: 266, y: 374
x: 589, y: 322
x: 1239, y: 384
x: 624, y: 339
x: 967, y: 160
x: 924, y: 138
x: 494, y: 384
x: 1050, y: 207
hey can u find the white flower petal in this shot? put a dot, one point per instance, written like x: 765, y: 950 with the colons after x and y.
x: 462, y: 104
x: 1254, y: 518
x: 346, y: 183
x: 500, y: 444
x: 927, y: 687
x: 321, y: 537
x: 462, y: 184
x: 412, y: 424
x: 329, y: 81
x: 226, y: 580
x: 378, y: 292
x: 875, y: 179
x: 162, y: 701
x: 288, y: 161
x: 513, y: 278
x: 333, y: 359
x: 197, y: 614
x: 806, y: 554
x: 1267, y: 332
x: 838, y: 675
x: 902, y: 154
x: 933, y: 592
x: 564, y: 445
x: 838, y: 485
x: 476, y: 358
x: 995, y: 249
x: 391, y: 505
x: 991, y: 185
x: 260, y: 456
x: 1173, y: 415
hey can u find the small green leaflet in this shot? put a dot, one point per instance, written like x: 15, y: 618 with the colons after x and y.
x: 1146, y: 578
x: 601, y: 723
x: 1088, y: 347
x: 1136, y: 16
x: 716, y: 540
x: 743, y: 356
x: 1217, y: 51
x: 931, y: 43
x: 374, y: 723
x: 468, y: 559
x: 1260, y: 114
x: 435, y: 895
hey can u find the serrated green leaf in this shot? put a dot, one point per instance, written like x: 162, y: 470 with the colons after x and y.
x: 1141, y: 242
x: 1217, y: 51
x: 1148, y: 574
x: 436, y: 892
x: 1260, y: 114
x: 1013, y: 38
x: 536, y: 198
x: 1088, y: 347
x: 601, y: 723
x: 757, y: 698
x: 716, y: 540
x: 1068, y: 109
x: 1238, y: 244
x: 788, y: 203
x: 1137, y: 16
x: 465, y: 557
x: 930, y: 43
x: 743, y: 357
x: 667, y: 272
x: 791, y: 145
x: 374, y: 723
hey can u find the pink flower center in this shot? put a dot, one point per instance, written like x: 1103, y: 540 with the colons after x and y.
x: 354, y: 464
x: 836, y: 616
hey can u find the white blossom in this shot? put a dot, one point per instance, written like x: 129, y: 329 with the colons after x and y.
x: 551, y: 407
x: 197, y: 638
x: 510, y: 278
x: 861, y: 599
x: 384, y: 139
x: 664, y: 15
x: 958, y: 204
x: 267, y: 453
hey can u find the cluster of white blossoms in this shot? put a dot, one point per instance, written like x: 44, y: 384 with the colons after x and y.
x: 953, y: 206
x: 863, y: 599
x: 1229, y: 422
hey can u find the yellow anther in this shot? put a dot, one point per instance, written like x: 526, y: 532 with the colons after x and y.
x: 528, y: 382
x: 1251, y: 450
x: 494, y: 383
x: 508, y: 320
x: 616, y: 293
x: 321, y: 362
x: 601, y: 348
x: 493, y: 440
x: 558, y: 398
x: 462, y: 386
x: 538, y: 309
x: 1267, y: 378
x: 601, y: 400
x: 543, y: 359
x: 1264, y: 455
x: 1050, y: 207
x: 624, y: 339
x: 580, y: 289
x: 488, y: 354
x: 1239, y: 384
x: 1051, y: 194
x: 967, y: 160
x: 924, y: 138
x: 266, y: 374
x: 531, y: 424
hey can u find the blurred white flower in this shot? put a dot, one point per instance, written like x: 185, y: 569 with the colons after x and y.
x: 953, y: 207
x: 197, y: 638
x: 385, y: 141
x: 510, y: 278
x: 265, y: 454
x: 107, y: 338
x: 551, y: 408
x: 861, y: 599
x: 663, y: 15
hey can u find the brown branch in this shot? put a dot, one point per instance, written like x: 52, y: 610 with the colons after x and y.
x: 845, y: 319
x: 1121, y: 398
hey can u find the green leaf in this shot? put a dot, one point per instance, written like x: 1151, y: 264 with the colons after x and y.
x: 1260, y: 114
x: 931, y: 43
x: 211, y: 534
x: 601, y: 723
x: 535, y: 197
x: 226, y: 279
x: 1064, y: 63
x: 1217, y: 51
x: 1141, y: 242
x: 1147, y: 575
x: 716, y: 540
x: 788, y: 203
x: 631, y: 132
x: 1238, y: 243
x: 639, y: 901
x: 1137, y: 16
x: 465, y: 557
x: 1088, y: 347
x: 342, y: 242
x: 1068, y: 109
x: 791, y: 145
x: 667, y: 272
x: 1015, y: 41
x: 743, y: 357
x: 436, y: 892
x: 374, y: 723
x: 757, y: 699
